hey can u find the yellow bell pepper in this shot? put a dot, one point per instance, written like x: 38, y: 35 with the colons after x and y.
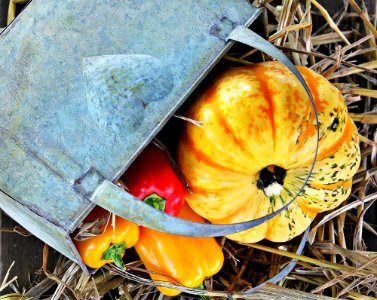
x: 178, y: 259
x: 111, y: 244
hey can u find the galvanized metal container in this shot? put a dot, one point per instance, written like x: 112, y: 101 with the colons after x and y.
x: 88, y: 85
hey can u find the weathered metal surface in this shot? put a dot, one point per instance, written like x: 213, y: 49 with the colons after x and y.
x: 36, y: 223
x: 88, y: 85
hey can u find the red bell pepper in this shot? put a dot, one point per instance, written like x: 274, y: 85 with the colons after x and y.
x: 152, y: 178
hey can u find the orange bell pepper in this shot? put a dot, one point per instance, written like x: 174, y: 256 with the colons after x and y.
x: 111, y: 244
x: 178, y: 259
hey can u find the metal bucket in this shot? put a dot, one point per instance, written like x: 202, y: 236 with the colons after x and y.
x: 88, y: 86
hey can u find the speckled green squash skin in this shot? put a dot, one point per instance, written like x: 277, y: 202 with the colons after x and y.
x: 258, y: 116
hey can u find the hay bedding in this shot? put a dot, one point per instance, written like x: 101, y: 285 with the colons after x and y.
x: 340, y: 259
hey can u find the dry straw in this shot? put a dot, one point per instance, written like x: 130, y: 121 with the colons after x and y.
x: 337, y: 262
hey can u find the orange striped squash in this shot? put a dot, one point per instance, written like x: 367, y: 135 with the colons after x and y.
x: 255, y: 147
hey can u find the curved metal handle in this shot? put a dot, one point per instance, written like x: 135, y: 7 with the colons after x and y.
x: 121, y: 203
x: 116, y: 200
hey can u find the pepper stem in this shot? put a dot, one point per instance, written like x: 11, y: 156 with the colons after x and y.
x: 115, y: 253
x: 156, y: 201
x: 202, y: 287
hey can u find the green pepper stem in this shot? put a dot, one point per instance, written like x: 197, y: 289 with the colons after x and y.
x: 202, y: 287
x: 156, y: 201
x: 115, y: 253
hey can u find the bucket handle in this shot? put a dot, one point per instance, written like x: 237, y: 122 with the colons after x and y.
x: 116, y: 200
